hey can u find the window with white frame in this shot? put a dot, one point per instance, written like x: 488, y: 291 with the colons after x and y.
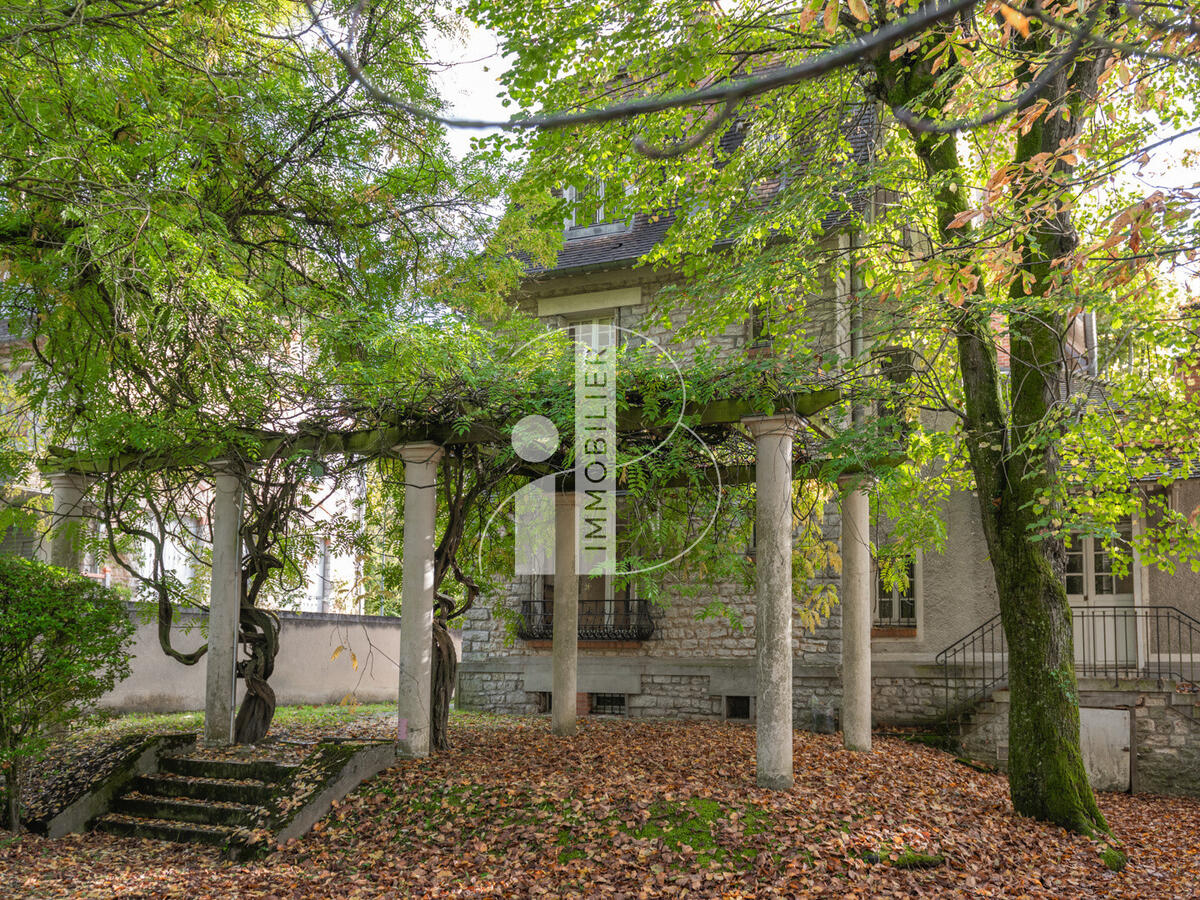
x: 1091, y: 573
x: 592, y: 209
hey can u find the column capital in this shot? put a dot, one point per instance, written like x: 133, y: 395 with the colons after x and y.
x: 420, y: 452
x: 856, y: 481
x: 70, y: 479
x: 783, y: 425
x: 229, y: 465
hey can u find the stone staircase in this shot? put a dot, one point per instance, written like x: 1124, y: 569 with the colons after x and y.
x: 195, y: 799
x: 984, y: 730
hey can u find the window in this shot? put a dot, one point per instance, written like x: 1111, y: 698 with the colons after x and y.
x: 758, y: 336
x: 737, y: 707
x: 896, y: 605
x: 593, y: 209
x: 607, y: 704
x: 1090, y: 575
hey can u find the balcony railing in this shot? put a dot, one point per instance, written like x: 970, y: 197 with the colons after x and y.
x: 599, y: 620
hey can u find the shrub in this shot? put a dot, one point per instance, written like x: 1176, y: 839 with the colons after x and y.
x: 64, y: 641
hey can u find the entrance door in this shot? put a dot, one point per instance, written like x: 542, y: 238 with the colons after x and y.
x: 1105, y: 619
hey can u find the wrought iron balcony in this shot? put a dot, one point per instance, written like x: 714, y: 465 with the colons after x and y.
x: 599, y: 620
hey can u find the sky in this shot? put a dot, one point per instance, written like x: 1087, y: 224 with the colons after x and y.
x: 471, y: 85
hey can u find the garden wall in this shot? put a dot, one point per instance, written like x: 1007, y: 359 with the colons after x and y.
x: 305, y: 672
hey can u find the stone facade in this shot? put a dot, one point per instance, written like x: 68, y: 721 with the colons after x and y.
x: 1167, y: 729
x: 685, y: 670
x: 914, y: 698
x: 1164, y: 733
x: 705, y: 668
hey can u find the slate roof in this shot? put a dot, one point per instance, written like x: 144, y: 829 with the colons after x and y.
x: 620, y: 249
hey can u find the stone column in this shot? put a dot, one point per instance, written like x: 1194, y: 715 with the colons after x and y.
x: 773, y: 592
x: 565, y: 652
x: 67, y: 522
x: 416, y: 596
x: 856, y: 618
x: 224, y: 603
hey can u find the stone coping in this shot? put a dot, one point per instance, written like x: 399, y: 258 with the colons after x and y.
x: 699, y: 665
x: 288, y: 615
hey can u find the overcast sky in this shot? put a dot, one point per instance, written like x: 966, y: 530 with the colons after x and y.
x: 470, y: 89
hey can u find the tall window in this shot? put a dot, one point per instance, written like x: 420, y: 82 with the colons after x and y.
x: 1090, y: 573
x: 896, y: 605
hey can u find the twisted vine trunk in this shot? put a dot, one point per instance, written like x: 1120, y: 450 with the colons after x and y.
x: 260, y: 633
x: 443, y: 675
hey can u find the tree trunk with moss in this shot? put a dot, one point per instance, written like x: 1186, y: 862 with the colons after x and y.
x: 1012, y: 450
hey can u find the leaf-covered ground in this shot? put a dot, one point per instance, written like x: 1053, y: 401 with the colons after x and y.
x: 648, y: 810
x: 79, y: 759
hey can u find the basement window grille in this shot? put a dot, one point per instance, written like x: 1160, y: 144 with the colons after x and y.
x: 607, y: 704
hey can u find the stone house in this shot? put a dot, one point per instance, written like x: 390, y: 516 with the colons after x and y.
x: 936, y: 649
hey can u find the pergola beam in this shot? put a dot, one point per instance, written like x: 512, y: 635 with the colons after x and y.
x: 383, y: 441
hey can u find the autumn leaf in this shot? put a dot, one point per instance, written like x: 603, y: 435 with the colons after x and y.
x: 1018, y: 20
x: 858, y: 9
x: 964, y: 217
x: 831, y: 15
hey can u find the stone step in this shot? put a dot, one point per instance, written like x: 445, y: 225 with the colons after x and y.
x: 241, y: 770
x: 162, y: 830
x: 221, y: 790
x: 144, y: 806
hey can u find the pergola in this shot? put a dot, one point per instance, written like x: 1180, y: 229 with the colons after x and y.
x: 421, y: 449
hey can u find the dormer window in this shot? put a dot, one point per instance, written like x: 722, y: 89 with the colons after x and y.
x: 592, y: 208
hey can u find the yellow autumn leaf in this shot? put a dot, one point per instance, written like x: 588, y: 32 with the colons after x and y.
x: 858, y: 9
x: 353, y: 661
x: 337, y: 652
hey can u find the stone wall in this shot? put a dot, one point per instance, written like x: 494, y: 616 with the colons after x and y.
x: 1167, y: 727
x: 915, y: 697
x: 676, y: 696
x: 1165, y: 732
x: 670, y: 689
x: 500, y: 692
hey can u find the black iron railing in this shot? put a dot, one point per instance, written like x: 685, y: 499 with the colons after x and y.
x: 599, y: 620
x: 1112, y: 642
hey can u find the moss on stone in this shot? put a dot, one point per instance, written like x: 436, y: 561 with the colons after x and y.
x: 912, y: 859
